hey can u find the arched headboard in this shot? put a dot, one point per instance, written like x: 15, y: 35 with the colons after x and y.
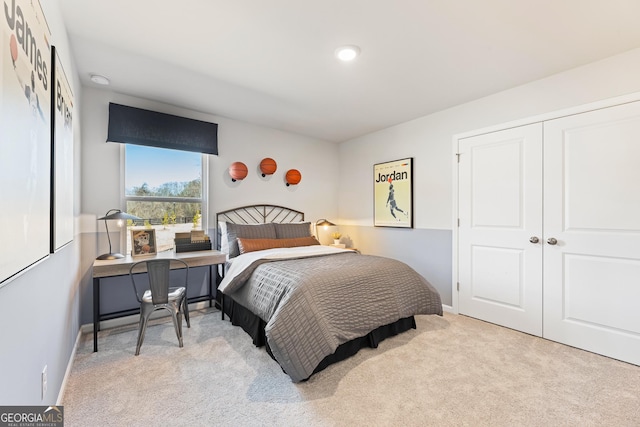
x: 257, y: 214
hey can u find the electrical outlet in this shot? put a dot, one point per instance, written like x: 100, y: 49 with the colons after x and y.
x: 44, y: 382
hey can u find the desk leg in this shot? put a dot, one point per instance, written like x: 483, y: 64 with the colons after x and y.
x: 210, y: 286
x: 96, y: 312
x: 221, y: 294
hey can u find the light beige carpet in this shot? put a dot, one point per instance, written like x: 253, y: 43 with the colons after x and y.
x: 451, y: 371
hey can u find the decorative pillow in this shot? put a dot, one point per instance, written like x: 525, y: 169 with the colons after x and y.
x: 224, y: 239
x: 292, y: 230
x: 248, y: 231
x: 251, y: 245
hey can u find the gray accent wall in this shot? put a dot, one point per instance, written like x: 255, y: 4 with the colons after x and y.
x: 425, y: 250
x: 39, y: 325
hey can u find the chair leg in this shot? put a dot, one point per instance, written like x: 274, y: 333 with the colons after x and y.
x: 185, y: 308
x: 177, y: 323
x: 142, y: 327
x: 179, y: 317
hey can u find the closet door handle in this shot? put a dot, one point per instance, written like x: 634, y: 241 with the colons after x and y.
x: 552, y: 241
x: 534, y: 239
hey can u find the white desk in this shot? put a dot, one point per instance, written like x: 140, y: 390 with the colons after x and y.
x: 120, y: 267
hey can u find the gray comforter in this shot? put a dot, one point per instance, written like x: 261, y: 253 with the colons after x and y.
x: 313, y: 304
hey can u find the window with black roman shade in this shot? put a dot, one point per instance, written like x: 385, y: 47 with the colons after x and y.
x: 131, y: 125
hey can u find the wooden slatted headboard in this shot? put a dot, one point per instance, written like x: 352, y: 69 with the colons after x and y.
x: 257, y: 214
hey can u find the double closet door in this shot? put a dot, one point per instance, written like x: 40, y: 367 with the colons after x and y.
x: 549, y: 234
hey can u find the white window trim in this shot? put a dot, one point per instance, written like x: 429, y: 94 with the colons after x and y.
x: 205, y: 193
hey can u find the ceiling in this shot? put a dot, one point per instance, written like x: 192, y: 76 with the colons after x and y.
x: 272, y: 62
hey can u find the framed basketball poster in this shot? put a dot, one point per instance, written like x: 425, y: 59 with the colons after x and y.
x: 393, y: 193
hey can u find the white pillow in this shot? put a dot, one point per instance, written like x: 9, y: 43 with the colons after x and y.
x: 224, y: 241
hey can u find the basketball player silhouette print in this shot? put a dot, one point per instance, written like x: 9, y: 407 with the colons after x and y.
x: 391, y: 202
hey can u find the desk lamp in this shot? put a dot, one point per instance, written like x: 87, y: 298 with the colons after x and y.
x: 322, y: 223
x: 110, y: 215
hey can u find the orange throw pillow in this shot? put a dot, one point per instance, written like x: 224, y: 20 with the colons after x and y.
x: 252, y: 245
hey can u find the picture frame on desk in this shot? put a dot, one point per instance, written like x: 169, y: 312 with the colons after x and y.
x: 143, y: 242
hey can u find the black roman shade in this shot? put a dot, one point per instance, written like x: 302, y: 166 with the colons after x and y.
x: 131, y: 125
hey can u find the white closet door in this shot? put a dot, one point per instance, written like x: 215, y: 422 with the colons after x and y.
x: 592, y: 209
x: 500, y: 210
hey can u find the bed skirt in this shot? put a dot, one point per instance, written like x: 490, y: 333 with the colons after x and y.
x: 254, y: 327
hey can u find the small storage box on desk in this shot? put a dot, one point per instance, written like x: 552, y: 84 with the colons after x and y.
x: 194, y: 241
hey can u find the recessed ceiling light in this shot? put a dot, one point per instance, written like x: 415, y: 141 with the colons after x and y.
x: 101, y: 80
x: 347, y: 53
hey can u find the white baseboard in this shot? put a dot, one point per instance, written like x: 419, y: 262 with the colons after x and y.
x: 448, y: 309
x: 67, y: 372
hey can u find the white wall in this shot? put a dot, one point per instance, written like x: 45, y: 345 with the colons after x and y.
x: 429, y: 141
x: 39, y: 314
x: 39, y: 310
x: 317, y: 161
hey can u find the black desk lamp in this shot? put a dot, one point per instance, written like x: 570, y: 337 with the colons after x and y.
x: 114, y: 214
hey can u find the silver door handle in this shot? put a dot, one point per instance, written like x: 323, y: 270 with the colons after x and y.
x: 552, y: 241
x: 534, y: 239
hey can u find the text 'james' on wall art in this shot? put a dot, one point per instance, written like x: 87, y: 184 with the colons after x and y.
x: 25, y: 135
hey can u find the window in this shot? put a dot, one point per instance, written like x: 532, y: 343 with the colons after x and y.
x: 166, y: 188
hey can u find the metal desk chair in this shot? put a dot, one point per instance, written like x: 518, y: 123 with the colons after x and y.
x: 160, y: 295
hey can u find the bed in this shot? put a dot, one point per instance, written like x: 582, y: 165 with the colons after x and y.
x: 312, y: 305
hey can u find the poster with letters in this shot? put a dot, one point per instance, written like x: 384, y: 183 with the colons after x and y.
x: 393, y: 193
x: 61, y: 156
x: 25, y: 137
